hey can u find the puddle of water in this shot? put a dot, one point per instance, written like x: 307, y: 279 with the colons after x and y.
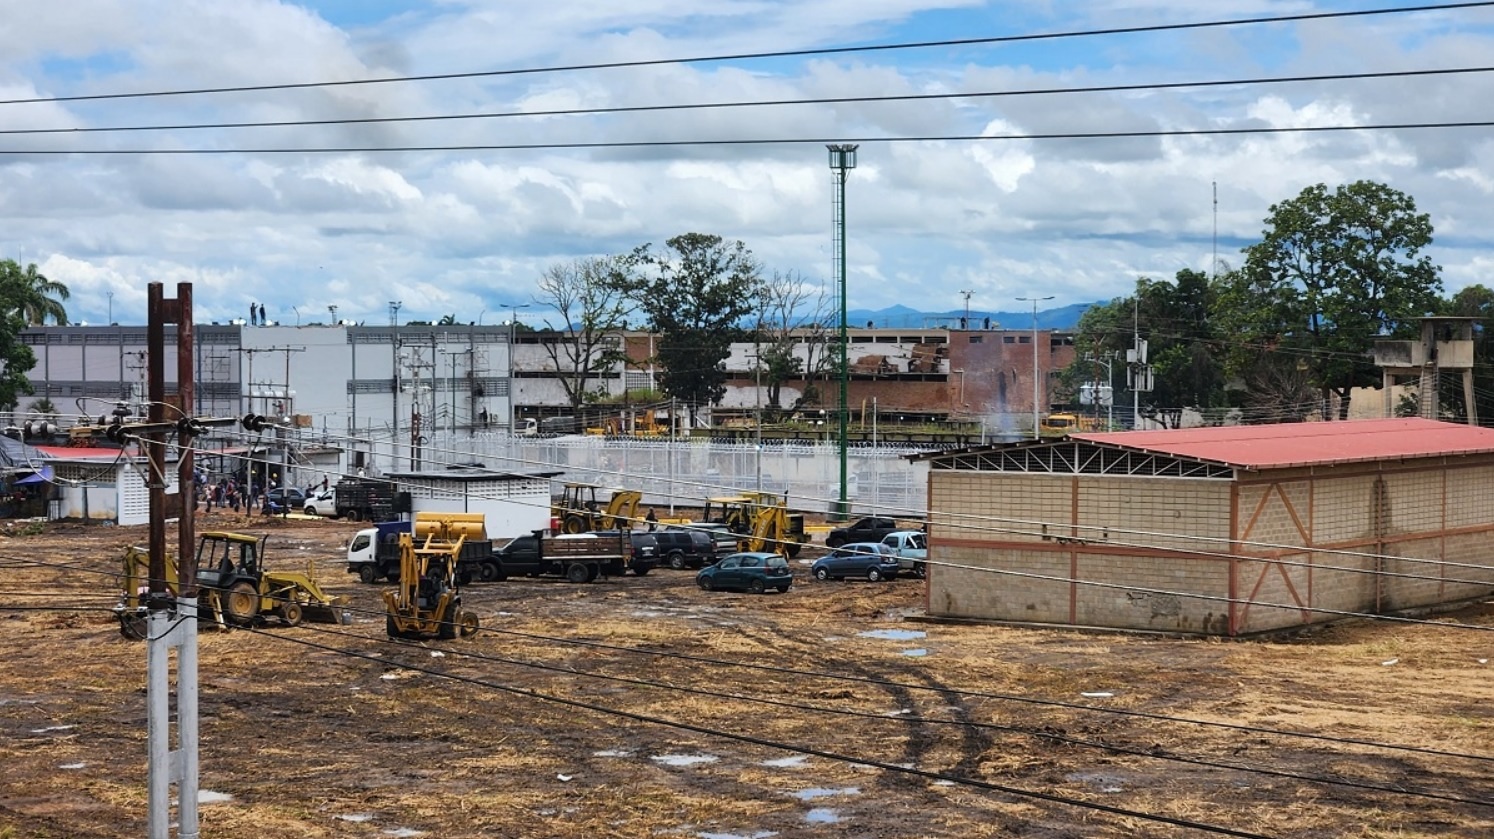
x: 72, y: 766
x: 761, y: 834
x: 943, y: 783
x: 612, y: 753
x: 355, y: 817
x: 824, y: 792
x: 684, y: 760
x: 403, y: 832
x: 822, y: 815
x: 51, y: 728
x: 207, y: 796
x: 918, y: 653
x: 893, y: 634
x: 791, y: 762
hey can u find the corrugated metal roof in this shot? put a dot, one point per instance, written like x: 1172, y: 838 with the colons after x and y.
x: 1307, y: 443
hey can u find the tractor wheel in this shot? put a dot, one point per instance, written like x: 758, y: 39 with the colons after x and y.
x: 241, y: 604
x: 793, y: 549
x: 468, y: 624
x: 290, y: 613
x: 448, y: 627
x: 574, y: 524
x: 368, y: 573
x: 578, y: 572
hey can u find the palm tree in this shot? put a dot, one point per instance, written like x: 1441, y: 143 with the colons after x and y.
x: 41, y: 298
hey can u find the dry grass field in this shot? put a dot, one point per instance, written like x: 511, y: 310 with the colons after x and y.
x: 643, y: 707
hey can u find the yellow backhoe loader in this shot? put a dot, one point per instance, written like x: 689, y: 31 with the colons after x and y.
x: 762, y: 521
x: 235, y: 589
x: 427, y: 602
x: 577, y: 510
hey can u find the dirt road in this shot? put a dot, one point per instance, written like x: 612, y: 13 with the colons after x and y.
x: 646, y: 707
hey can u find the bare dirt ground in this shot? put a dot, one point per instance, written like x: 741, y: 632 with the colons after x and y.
x: 646, y: 707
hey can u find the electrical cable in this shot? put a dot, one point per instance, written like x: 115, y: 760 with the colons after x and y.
x: 1041, y: 734
x: 706, y: 731
x: 765, y: 103
x: 774, y: 141
x: 727, y: 57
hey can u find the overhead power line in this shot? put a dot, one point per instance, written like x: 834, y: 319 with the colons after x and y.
x: 779, y: 141
x: 765, y: 103
x: 745, y: 56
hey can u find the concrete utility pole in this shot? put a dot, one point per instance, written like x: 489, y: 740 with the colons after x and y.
x: 1036, y: 404
x: 394, y: 306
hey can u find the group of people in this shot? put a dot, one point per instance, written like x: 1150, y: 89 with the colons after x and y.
x: 257, y: 318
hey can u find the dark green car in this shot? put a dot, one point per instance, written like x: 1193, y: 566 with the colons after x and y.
x: 752, y: 571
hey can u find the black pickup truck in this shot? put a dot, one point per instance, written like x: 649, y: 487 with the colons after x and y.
x: 869, y: 529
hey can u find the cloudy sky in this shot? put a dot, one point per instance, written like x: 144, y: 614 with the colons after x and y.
x: 256, y: 214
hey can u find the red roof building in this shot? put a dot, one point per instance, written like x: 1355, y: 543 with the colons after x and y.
x: 1230, y: 530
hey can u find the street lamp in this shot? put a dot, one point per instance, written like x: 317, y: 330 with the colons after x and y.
x: 513, y: 323
x: 1036, y: 433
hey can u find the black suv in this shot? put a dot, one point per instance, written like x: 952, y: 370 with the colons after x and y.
x: 679, y: 548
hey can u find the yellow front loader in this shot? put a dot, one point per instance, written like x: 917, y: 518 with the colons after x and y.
x: 427, y: 602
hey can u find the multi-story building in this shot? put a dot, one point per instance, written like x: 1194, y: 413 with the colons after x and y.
x: 398, y: 384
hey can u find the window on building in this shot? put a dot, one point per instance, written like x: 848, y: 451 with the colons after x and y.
x: 977, y: 339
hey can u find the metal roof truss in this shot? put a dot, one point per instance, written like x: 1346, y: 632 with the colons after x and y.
x: 1073, y: 457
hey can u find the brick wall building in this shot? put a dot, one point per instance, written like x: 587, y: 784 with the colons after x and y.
x: 1221, y: 531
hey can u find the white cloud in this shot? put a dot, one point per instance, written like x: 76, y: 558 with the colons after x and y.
x: 466, y: 230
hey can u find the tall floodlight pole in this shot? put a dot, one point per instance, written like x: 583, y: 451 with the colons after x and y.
x: 1036, y: 433
x: 394, y: 306
x: 842, y: 160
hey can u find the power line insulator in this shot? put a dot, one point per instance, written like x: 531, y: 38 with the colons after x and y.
x: 254, y: 422
x: 189, y: 427
x: 115, y: 432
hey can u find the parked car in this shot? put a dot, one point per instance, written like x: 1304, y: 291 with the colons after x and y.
x: 645, y: 552
x: 869, y: 529
x: 680, y: 548
x: 291, y: 497
x: 752, y: 571
x: 723, y: 539
x: 871, y: 560
x: 912, y: 549
x: 323, y: 503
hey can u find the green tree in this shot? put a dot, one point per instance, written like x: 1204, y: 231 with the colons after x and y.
x: 16, y: 359
x: 1475, y: 301
x: 591, y: 302
x: 37, y: 298
x: 1333, y: 271
x: 1176, y: 320
x: 695, y: 294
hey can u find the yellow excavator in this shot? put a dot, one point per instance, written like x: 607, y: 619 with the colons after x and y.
x: 427, y: 603
x: 235, y: 589
x: 577, y: 510
x: 762, y: 521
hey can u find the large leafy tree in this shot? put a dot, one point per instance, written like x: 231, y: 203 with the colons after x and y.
x: 1332, y: 271
x: 590, y: 299
x: 16, y: 359
x: 37, y: 298
x: 695, y: 293
x: 1176, y: 318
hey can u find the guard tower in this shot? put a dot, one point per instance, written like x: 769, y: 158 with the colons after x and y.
x: 1446, y: 345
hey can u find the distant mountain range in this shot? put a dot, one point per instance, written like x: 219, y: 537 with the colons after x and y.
x: 1066, y: 317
